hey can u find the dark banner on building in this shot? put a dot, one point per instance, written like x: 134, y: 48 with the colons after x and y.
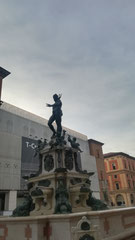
x: 29, y: 162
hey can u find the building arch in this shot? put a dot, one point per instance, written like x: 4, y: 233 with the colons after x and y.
x: 120, y: 200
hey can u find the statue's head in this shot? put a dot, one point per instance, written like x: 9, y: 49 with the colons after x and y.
x: 55, y: 97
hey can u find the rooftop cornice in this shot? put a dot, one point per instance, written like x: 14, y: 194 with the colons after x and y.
x: 95, y: 141
x: 114, y: 154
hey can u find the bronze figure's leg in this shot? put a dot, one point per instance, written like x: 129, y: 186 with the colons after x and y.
x: 51, y: 120
x: 59, y: 127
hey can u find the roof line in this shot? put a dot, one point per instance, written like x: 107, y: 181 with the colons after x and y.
x: 95, y: 141
x: 112, y: 154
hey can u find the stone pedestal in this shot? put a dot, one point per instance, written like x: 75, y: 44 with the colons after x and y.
x: 60, y: 187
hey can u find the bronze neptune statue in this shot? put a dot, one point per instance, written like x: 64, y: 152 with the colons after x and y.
x: 56, y: 115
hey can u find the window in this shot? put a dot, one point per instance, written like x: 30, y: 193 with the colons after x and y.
x: 2, y: 201
x: 129, y: 184
x: 117, y: 186
x: 113, y: 166
x: 120, y: 200
x: 115, y: 176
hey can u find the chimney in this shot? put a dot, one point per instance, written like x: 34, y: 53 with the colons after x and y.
x: 3, y: 73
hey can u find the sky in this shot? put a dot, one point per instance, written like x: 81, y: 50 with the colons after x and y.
x: 82, y: 49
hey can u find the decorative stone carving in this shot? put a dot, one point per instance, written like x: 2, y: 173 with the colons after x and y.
x: 60, y: 170
x: 79, y: 193
x: 28, y: 232
x: 84, y: 189
x: 37, y: 151
x: 76, y: 162
x: 45, y: 183
x: 58, y: 141
x: 85, y: 230
x: 59, y: 158
x: 85, y: 226
x: 86, y: 237
x: 95, y: 204
x: 75, y: 181
x: 37, y: 192
x: 68, y: 159
x: 43, y: 202
x: 62, y: 203
x: 48, y: 163
x: 25, y: 208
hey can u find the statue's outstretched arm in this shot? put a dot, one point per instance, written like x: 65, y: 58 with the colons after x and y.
x: 49, y: 105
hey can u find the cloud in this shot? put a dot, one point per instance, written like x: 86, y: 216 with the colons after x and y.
x: 84, y: 50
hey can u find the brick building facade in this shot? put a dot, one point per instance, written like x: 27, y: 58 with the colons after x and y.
x: 96, y: 151
x: 120, y: 169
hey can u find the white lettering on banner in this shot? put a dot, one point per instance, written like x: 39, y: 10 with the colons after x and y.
x: 27, y: 144
x: 31, y: 145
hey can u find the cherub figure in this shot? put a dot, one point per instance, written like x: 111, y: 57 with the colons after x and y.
x: 73, y: 143
x: 40, y: 146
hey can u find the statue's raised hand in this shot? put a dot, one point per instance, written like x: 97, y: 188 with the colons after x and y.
x: 48, y: 105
